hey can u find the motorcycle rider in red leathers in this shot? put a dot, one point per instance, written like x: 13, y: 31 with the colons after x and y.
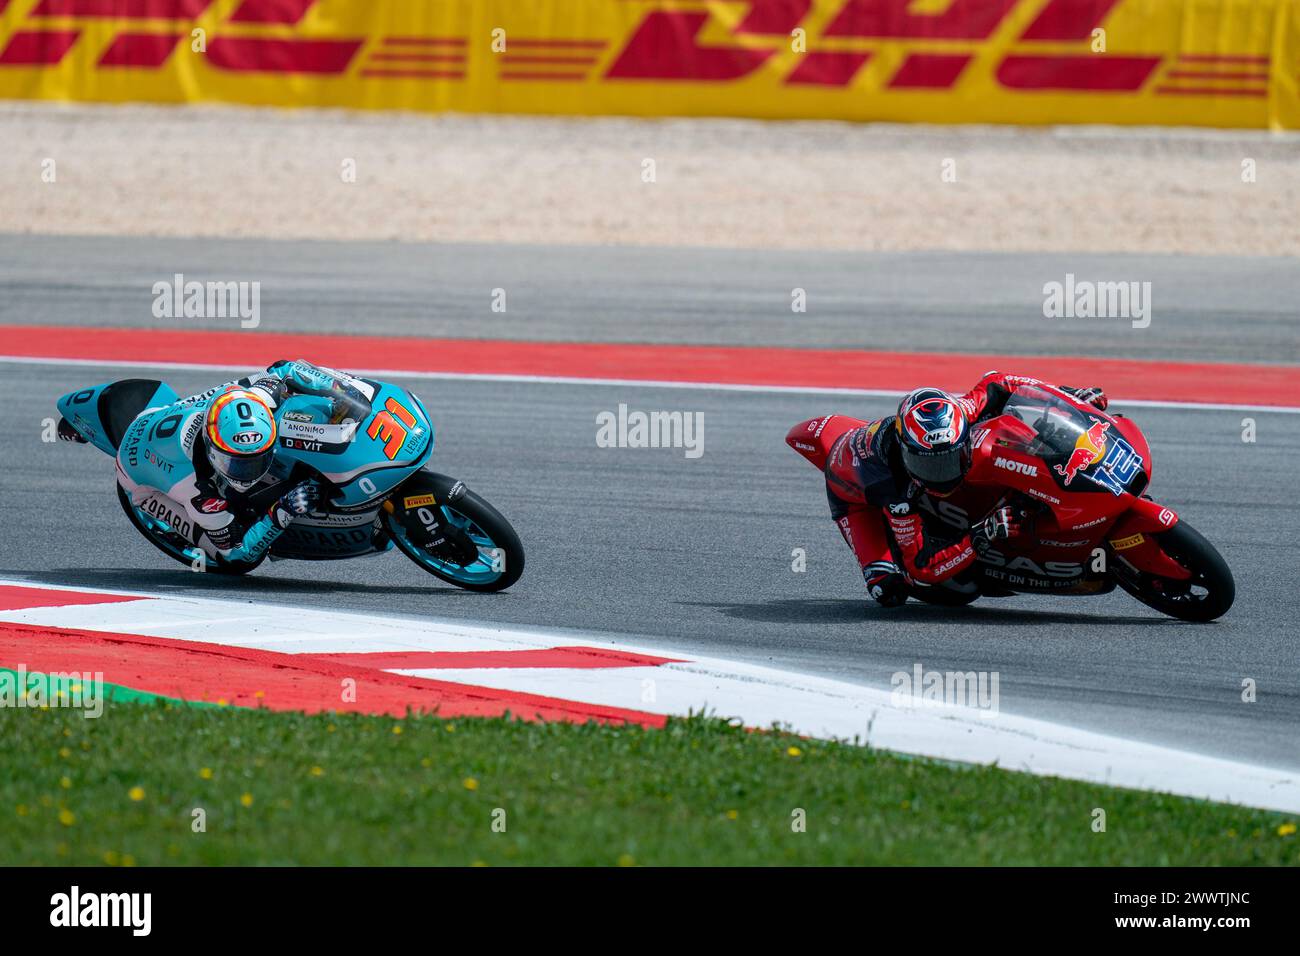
x: 876, y: 473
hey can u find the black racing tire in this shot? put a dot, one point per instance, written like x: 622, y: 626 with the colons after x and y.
x: 1209, y: 571
x: 171, y: 544
x: 481, y: 513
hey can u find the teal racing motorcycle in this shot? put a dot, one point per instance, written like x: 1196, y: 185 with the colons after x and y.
x: 375, y: 489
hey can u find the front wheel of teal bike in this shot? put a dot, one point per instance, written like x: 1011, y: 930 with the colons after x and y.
x: 464, y: 541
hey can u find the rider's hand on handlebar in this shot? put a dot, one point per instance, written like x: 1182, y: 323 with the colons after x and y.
x: 298, y: 501
x: 275, y: 387
x: 347, y: 407
x: 1000, y: 524
x: 1092, y: 395
x: 347, y: 403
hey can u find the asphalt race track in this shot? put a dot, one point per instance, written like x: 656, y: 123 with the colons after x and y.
x: 695, y: 555
x: 1239, y: 309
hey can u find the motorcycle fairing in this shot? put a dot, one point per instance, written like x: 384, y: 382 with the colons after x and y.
x: 330, y: 536
x: 1131, y: 539
x: 813, y: 439
x: 1058, y: 551
x: 367, y: 460
x: 1085, y: 450
x: 102, y: 414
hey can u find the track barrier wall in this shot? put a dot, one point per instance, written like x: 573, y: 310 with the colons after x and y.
x: 1227, y: 63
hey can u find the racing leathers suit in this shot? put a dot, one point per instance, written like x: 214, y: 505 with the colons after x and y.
x: 874, y: 501
x: 163, y: 466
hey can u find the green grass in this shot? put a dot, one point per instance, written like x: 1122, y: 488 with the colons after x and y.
x: 341, y: 789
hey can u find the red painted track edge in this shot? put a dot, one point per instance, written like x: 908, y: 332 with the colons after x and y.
x: 14, y: 597
x: 1125, y: 379
x: 197, y: 671
x: 567, y: 657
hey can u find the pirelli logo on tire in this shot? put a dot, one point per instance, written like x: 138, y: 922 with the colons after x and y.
x: 1198, y: 62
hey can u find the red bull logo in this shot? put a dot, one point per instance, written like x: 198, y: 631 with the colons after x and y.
x: 1116, y: 462
x: 1090, y: 447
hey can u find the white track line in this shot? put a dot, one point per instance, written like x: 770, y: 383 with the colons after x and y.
x: 759, y: 696
x: 619, y: 382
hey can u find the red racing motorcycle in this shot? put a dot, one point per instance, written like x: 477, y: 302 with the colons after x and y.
x: 1079, y: 476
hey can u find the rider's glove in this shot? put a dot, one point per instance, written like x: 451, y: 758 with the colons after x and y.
x: 1092, y: 395
x: 349, y: 403
x: 1001, y: 523
x: 885, y: 583
x: 274, y: 387
x: 298, y: 501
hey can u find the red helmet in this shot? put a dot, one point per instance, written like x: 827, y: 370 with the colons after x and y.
x: 934, y: 438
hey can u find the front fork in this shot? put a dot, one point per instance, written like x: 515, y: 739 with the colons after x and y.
x: 1133, y: 539
x: 419, y: 511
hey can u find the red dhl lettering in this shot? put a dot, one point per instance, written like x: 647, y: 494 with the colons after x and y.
x: 970, y: 21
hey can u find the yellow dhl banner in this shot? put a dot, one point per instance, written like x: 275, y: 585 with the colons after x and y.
x: 1170, y: 62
